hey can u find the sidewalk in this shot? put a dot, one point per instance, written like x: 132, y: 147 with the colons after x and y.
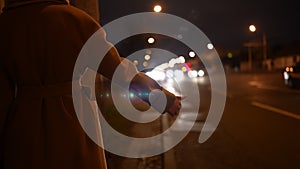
x: 131, y: 129
x: 135, y: 130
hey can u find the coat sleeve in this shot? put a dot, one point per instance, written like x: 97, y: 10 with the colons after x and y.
x: 140, y: 83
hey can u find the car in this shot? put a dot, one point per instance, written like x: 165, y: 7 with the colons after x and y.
x: 291, y: 75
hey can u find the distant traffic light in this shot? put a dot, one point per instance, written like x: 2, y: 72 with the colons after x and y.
x: 229, y: 55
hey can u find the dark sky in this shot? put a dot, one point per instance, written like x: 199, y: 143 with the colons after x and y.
x: 225, y: 22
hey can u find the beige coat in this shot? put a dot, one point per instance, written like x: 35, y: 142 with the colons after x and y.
x: 39, y: 43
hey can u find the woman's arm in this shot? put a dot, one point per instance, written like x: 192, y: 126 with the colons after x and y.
x: 138, y: 82
x: 127, y: 72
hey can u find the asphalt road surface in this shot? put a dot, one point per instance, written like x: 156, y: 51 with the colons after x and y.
x: 259, y: 129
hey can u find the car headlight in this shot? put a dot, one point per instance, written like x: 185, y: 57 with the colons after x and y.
x: 285, y: 75
x: 289, y: 69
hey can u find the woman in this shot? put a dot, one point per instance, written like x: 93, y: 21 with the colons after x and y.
x: 39, y: 44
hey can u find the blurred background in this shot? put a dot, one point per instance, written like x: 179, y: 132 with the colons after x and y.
x: 258, y: 43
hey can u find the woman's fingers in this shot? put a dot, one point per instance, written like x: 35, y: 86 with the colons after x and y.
x: 175, y: 108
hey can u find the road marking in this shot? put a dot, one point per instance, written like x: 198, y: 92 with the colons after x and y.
x: 268, y: 88
x: 276, y: 110
x: 273, y: 88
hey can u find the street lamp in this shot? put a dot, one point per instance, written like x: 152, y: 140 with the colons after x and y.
x: 151, y: 40
x: 252, y: 28
x: 157, y: 8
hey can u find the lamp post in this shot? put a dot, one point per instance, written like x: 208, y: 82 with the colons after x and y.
x: 250, y: 45
x: 264, y: 43
x: 252, y: 28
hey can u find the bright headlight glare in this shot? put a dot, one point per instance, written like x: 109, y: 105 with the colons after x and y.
x: 287, y: 69
x: 201, y: 73
x: 285, y: 75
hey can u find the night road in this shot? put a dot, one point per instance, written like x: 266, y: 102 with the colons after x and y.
x: 258, y: 129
